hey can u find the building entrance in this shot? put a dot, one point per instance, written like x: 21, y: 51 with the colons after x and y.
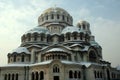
x: 56, y: 78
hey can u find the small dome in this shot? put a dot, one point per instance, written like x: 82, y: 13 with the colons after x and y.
x: 38, y: 29
x: 71, y: 29
x: 21, y: 50
x: 83, y: 22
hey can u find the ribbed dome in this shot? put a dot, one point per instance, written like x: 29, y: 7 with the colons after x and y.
x: 83, y: 22
x: 38, y: 29
x: 54, y: 9
x: 55, y: 14
x: 71, y: 29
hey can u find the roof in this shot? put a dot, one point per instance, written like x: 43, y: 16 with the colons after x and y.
x: 20, y: 50
x: 54, y: 9
x: 38, y: 29
x: 56, y: 50
x: 71, y: 29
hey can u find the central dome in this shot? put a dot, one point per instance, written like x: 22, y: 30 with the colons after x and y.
x: 55, y: 15
x: 55, y: 9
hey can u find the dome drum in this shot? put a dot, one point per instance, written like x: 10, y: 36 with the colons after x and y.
x: 52, y: 15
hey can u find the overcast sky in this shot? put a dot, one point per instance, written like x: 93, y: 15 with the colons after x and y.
x: 18, y: 16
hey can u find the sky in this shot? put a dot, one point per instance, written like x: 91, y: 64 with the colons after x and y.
x: 19, y: 16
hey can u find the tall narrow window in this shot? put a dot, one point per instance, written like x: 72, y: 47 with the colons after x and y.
x: 47, y: 17
x: 32, y: 76
x: 36, y: 76
x: 58, y: 16
x: 41, y: 75
x: 12, y: 76
x: 79, y: 74
x: 23, y: 58
x: 16, y: 76
x: 9, y: 76
x: 56, y: 69
x: 14, y: 58
x: 5, y: 77
x: 63, y: 17
x: 52, y: 16
x: 75, y: 74
x: 70, y: 74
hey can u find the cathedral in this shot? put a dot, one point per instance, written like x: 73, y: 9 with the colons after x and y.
x: 57, y: 50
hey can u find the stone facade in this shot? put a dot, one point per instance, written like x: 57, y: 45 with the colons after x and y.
x: 57, y: 50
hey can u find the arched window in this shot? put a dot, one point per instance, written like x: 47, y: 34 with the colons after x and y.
x: 32, y: 76
x: 12, y: 76
x: 29, y: 36
x: 58, y: 16
x: 52, y: 16
x: 14, y: 58
x: 36, y: 75
x: 42, y: 37
x: 95, y: 74
x: 68, y: 36
x: 62, y: 38
x: 35, y: 36
x: 56, y: 69
x: 75, y: 35
x: 84, y: 27
x: 92, y: 56
x: 22, y: 58
x: 79, y: 74
x: 81, y: 36
x: 63, y: 17
x: 47, y: 17
x: 16, y: 76
x: 9, y: 76
x: 75, y: 74
x: 5, y: 77
x: 41, y: 75
x: 70, y: 74
x: 100, y: 74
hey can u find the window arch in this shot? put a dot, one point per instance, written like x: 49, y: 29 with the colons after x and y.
x: 9, y: 76
x: 41, y: 75
x: 22, y: 58
x: 36, y: 75
x: 81, y: 36
x: 56, y: 69
x: 29, y: 36
x: 46, y: 17
x: 5, y: 77
x: 92, y: 56
x: 84, y: 27
x: 74, y: 35
x: 70, y: 74
x: 14, y: 58
x: 68, y: 36
x: 63, y: 17
x: 75, y: 74
x: 17, y: 76
x: 95, y: 74
x: 32, y: 77
x: 42, y: 36
x: 58, y: 16
x: 52, y: 16
x: 79, y: 74
x: 12, y: 76
x: 35, y: 36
